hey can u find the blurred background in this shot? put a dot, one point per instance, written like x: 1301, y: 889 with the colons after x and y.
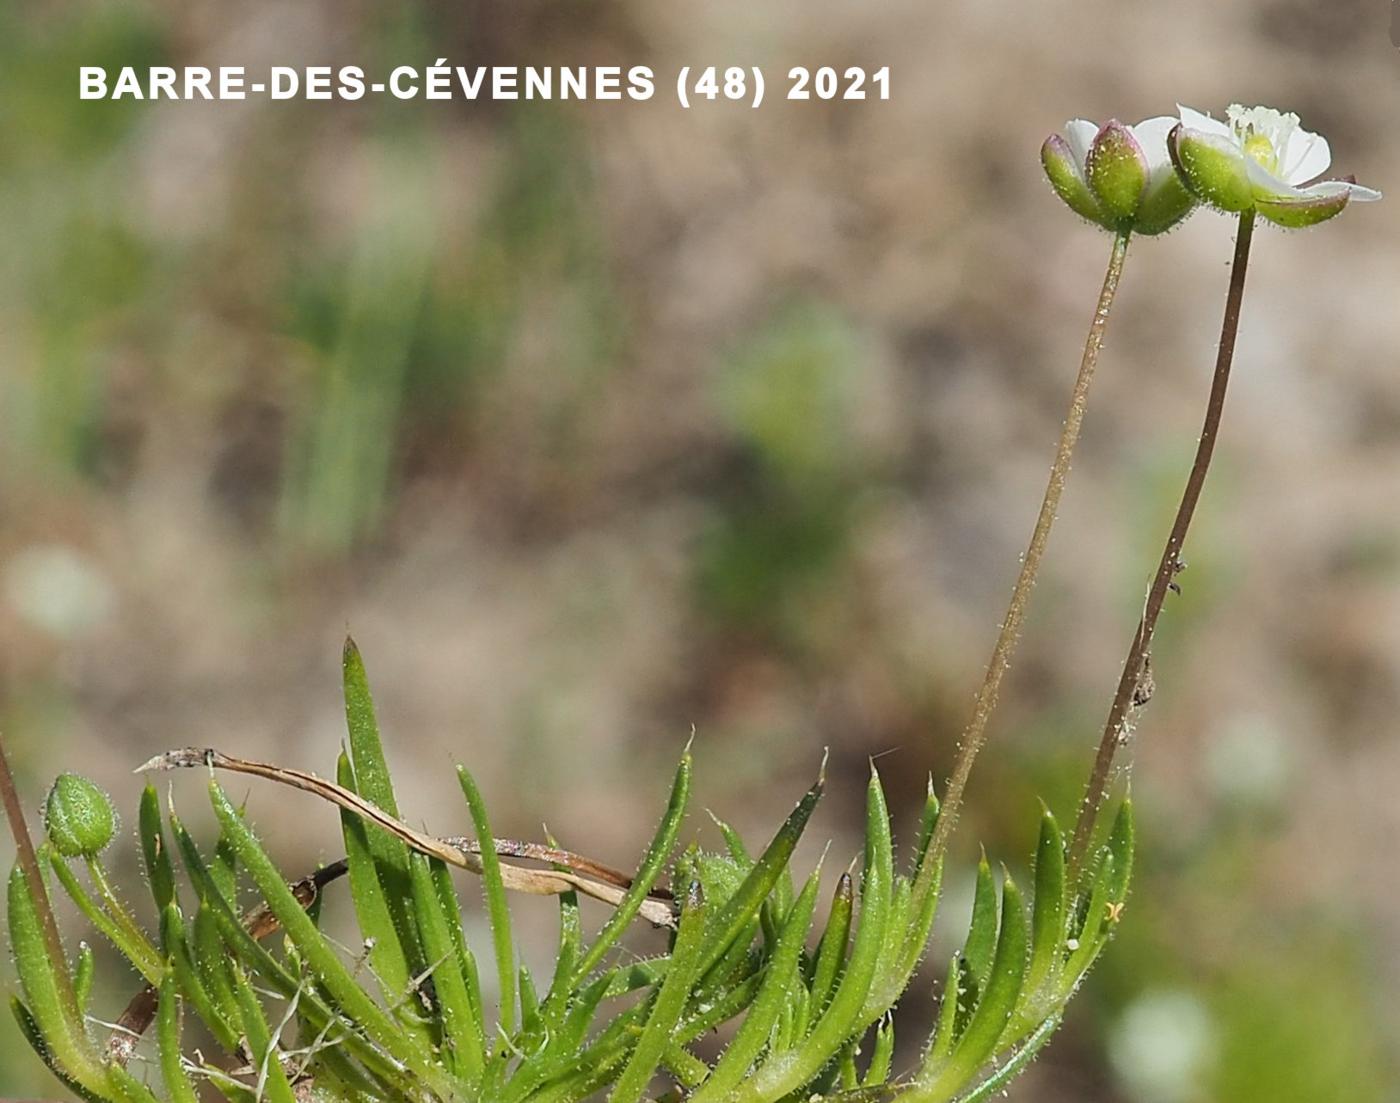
x: 596, y: 423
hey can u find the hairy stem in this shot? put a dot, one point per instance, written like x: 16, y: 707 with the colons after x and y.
x: 34, y: 877
x: 976, y: 732
x: 986, y: 703
x: 1120, y: 711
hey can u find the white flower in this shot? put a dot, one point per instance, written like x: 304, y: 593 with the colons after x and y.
x: 1260, y: 159
x: 1120, y: 177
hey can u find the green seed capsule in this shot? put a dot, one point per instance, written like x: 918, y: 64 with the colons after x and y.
x: 79, y: 817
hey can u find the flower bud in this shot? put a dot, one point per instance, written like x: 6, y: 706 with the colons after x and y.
x: 1116, y: 176
x: 79, y: 817
x: 1117, y: 170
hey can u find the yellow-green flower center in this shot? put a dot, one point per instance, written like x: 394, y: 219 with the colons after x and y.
x: 1258, y: 147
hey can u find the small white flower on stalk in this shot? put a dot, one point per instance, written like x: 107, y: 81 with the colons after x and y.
x: 1120, y: 177
x: 1260, y: 159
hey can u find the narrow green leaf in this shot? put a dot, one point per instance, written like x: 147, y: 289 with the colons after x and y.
x: 530, y: 1021
x: 223, y: 869
x: 831, y: 951
x: 386, y: 1066
x: 923, y: 909
x: 319, y: 954
x: 159, y: 872
x: 565, y: 961
x: 946, y: 1032
x: 178, y: 1087
x: 882, y: 1057
x: 688, y: 1069
x: 1048, y: 922
x: 563, y: 1051
x: 370, y: 771
x: 779, y: 900
x: 982, y: 933
x: 366, y: 750
x: 742, y: 908
x: 195, y: 978
x: 462, y: 1031
x: 497, y: 907
x: 657, y: 854
x: 452, y: 912
x: 995, y: 1084
x: 1003, y: 987
x: 377, y: 926
x: 847, y: 1016
x: 1120, y: 845
x: 779, y: 980
x: 82, y: 975
x: 34, y: 1035
x: 928, y: 821
x: 271, y: 1082
x: 65, y: 1040
x: 1084, y: 947
x: 847, y: 1074
x: 686, y: 965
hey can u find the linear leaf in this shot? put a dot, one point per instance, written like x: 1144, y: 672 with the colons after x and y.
x: 497, y: 906
x: 686, y: 965
x: 845, y: 1017
x: 64, y: 1040
x: 178, y: 1087
x: 319, y: 954
x: 736, y: 914
x: 1048, y: 915
x: 779, y: 980
x: 159, y: 872
x: 654, y: 861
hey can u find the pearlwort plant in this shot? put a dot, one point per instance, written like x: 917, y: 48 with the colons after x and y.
x: 403, y: 1016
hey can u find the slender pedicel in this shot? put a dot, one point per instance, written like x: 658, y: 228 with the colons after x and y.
x: 1120, y: 178
x: 976, y: 732
x: 1115, y: 730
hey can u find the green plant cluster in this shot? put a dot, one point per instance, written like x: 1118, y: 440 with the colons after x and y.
x: 405, y: 1018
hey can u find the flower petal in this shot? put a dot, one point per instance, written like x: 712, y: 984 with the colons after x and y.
x: 1080, y: 134
x: 1358, y: 193
x: 1267, y: 185
x: 1196, y: 120
x: 1305, y: 158
x: 1152, y: 136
